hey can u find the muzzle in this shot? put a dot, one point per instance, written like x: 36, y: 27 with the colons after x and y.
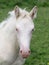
x: 24, y: 54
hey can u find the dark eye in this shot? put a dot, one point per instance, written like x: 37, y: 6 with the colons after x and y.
x: 16, y: 29
x: 32, y: 29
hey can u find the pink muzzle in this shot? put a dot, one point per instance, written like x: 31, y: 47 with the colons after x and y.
x: 24, y: 54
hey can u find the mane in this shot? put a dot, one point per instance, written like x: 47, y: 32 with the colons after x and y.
x: 22, y: 11
x: 11, y: 15
x: 4, y: 22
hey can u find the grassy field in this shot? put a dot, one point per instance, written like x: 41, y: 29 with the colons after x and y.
x: 40, y: 38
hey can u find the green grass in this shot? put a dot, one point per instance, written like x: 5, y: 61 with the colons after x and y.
x: 22, y: 3
x: 40, y: 38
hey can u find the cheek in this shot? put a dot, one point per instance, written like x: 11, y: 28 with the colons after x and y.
x: 30, y: 36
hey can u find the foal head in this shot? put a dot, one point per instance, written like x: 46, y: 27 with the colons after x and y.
x: 24, y: 29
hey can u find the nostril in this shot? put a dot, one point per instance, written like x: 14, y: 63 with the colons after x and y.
x: 20, y: 51
x: 29, y: 51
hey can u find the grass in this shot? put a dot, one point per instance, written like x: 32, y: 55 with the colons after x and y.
x: 22, y: 3
x: 40, y: 38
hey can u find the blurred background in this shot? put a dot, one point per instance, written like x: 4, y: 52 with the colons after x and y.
x: 40, y: 38
x: 23, y: 3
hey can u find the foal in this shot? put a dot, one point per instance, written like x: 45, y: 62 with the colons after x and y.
x: 15, y: 36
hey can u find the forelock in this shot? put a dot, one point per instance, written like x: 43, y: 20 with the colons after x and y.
x: 24, y: 13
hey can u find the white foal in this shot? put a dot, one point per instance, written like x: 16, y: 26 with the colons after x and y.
x: 15, y: 35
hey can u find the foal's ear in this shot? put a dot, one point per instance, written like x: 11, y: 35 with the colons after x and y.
x: 17, y: 11
x: 33, y: 12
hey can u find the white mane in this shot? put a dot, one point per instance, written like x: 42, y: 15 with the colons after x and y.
x: 11, y: 15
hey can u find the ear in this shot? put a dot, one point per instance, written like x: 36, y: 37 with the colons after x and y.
x: 17, y: 11
x: 33, y: 12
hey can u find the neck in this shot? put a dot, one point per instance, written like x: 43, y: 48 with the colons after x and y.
x: 9, y: 29
x: 10, y: 24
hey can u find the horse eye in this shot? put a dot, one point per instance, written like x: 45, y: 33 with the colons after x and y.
x: 16, y: 29
x: 32, y: 29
